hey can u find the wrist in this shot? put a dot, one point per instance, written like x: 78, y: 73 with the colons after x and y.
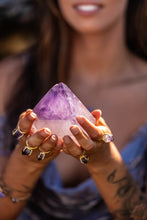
x: 106, y: 161
x: 21, y: 173
x: 15, y: 195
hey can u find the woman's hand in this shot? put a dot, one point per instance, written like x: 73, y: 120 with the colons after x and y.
x: 25, y: 165
x: 91, y: 145
x: 40, y: 147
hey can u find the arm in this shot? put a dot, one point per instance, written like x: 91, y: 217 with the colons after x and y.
x: 22, y: 171
x: 123, y: 197
x: 121, y: 194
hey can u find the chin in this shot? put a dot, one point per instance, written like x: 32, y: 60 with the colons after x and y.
x: 97, y: 27
x: 91, y: 30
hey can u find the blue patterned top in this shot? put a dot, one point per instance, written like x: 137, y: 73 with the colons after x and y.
x: 50, y: 200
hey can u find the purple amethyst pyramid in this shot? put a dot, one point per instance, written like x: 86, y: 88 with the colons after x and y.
x: 58, y: 109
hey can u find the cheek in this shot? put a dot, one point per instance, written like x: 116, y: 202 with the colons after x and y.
x: 70, y: 15
x: 65, y: 7
x: 115, y: 12
x: 116, y: 9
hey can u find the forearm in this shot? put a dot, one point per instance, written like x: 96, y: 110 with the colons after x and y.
x: 121, y: 194
x: 20, y: 177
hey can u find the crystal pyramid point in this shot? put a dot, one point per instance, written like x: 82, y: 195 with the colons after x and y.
x: 58, y: 109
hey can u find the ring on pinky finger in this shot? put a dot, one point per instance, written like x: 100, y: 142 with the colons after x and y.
x: 41, y: 155
x: 84, y: 158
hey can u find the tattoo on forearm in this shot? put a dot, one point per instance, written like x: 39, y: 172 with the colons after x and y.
x: 134, y: 203
x: 124, y: 184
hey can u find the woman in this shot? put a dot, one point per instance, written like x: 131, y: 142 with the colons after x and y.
x: 85, y: 45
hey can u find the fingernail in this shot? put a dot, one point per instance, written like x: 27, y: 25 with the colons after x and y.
x: 45, y: 132
x: 80, y: 119
x: 66, y: 140
x: 29, y: 111
x: 33, y: 115
x: 53, y: 137
x: 74, y: 130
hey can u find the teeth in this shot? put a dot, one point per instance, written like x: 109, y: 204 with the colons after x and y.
x: 87, y: 7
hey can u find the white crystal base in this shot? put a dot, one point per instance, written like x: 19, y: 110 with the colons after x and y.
x: 58, y: 127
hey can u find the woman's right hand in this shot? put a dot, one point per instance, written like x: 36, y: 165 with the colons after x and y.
x: 22, y: 171
x: 43, y: 141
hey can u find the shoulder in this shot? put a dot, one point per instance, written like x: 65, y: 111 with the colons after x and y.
x: 141, y: 68
x: 140, y: 74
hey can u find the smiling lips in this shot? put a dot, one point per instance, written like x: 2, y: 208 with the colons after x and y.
x: 88, y: 9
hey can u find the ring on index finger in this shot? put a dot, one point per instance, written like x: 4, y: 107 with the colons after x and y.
x: 18, y: 133
x: 42, y: 154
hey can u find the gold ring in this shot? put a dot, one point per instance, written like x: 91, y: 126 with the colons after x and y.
x: 18, y: 133
x: 84, y: 157
x: 42, y: 154
x: 27, y: 150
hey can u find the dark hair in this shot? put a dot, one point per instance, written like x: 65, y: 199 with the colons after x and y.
x: 49, y: 59
x: 136, y: 31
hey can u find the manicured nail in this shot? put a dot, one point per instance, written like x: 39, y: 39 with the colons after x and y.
x: 80, y: 119
x: 67, y: 140
x: 33, y: 115
x: 29, y: 111
x: 53, y: 137
x: 45, y: 132
x: 74, y: 130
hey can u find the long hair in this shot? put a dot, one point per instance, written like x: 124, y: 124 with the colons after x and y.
x: 49, y: 59
x: 136, y: 27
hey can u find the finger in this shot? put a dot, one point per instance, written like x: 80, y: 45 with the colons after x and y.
x: 97, y: 114
x: 95, y: 132
x: 37, y: 138
x: 71, y: 147
x: 65, y: 149
x: 50, y: 148
x: 49, y: 143
x: 85, y: 142
x: 24, y: 113
x: 26, y: 120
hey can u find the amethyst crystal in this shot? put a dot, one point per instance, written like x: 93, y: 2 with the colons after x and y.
x: 58, y: 109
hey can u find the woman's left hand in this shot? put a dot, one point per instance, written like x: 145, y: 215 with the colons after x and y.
x: 91, y: 146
